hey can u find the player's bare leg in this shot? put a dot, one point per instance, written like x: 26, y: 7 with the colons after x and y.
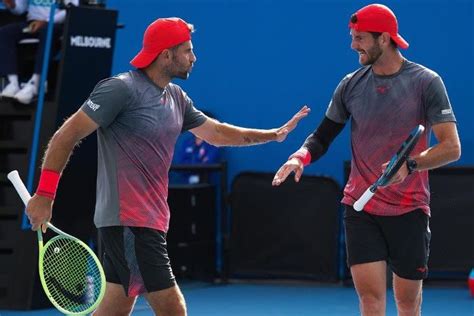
x: 115, y: 302
x: 408, y: 296
x: 169, y: 302
x: 370, y: 283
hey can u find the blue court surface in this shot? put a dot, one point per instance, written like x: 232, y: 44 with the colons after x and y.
x: 253, y: 299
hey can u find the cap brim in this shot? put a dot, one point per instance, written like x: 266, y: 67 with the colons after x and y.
x: 400, y: 41
x: 143, y: 59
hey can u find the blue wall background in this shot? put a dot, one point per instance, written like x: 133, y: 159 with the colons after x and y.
x: 259, y: 61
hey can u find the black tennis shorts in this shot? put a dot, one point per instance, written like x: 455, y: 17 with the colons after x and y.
x: 402, y: 241
x: 137, y: 258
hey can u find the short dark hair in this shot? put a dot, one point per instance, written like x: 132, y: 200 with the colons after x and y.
x: 175, y: 47
x: 376, y: 35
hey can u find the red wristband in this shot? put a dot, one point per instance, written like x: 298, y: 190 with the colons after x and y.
x: 303, y: 155
x: 48, y: 183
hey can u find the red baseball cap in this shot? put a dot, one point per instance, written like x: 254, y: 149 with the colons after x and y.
x: 161, y: 34
x: 377, y: 18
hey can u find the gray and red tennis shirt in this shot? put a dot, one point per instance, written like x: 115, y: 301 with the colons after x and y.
x: 383, y: 110
x: 139, y: 124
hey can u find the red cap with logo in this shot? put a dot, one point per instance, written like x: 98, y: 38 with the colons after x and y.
x: 378, y: 18
x: 162, y: 34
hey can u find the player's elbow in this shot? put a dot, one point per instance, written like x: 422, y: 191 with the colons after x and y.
x: 64, y: 138
x: 453, y: 150
x: 216, y: 141
x: 456, y: 150
x: 58, y: 137
x: 220, y: 136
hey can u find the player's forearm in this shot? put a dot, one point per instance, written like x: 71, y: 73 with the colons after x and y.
x: 438, y: 155
x: 317, y: 144
x: 230, y: 135
x: 59, y: 150
x: 61, y: 145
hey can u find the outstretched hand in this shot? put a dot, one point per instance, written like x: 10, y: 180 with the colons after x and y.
x: 283, y: 131
x: 293, y: 165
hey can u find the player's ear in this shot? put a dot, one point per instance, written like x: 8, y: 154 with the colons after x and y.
x: 385, y: 39
x: 166, y: 54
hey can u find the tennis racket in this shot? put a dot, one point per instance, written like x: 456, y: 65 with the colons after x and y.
x: 70, y: 273
x: 393, y: 166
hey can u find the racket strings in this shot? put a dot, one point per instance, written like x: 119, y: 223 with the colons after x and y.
x: 71, y: 274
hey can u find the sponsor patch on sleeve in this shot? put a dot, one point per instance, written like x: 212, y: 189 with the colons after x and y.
x: 446, y: 111
x: 94, y: 106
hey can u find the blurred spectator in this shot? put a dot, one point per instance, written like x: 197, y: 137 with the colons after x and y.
x: 34, y: 27
x: 194, y: 150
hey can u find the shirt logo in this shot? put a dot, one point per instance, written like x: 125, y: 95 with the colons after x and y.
x: 382, y: 89
x: 94, y: 106
x: 446, y: 111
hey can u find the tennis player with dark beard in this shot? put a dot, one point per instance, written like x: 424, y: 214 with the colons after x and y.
x: 384, y: 100
x: 138, y: 116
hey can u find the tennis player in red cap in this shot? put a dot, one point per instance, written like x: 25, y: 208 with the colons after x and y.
x: 385, y: 100
x: 138, y: 116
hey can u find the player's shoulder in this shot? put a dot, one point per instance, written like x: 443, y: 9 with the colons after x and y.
x: 112, y: 83
x: 356, y: 74
x: 116, y: 80
x: 116, y: 86
x: 131, y: 77
x: 176, y: 91
x: 418, y: 70
x: 131, y: 81
x: 351, y: 79
x: 173, y: 87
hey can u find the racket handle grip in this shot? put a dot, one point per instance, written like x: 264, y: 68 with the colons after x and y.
x: 15, y: 179
x: 360, y: 203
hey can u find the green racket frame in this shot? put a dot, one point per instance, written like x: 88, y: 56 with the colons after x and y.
x: 61, y: 238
